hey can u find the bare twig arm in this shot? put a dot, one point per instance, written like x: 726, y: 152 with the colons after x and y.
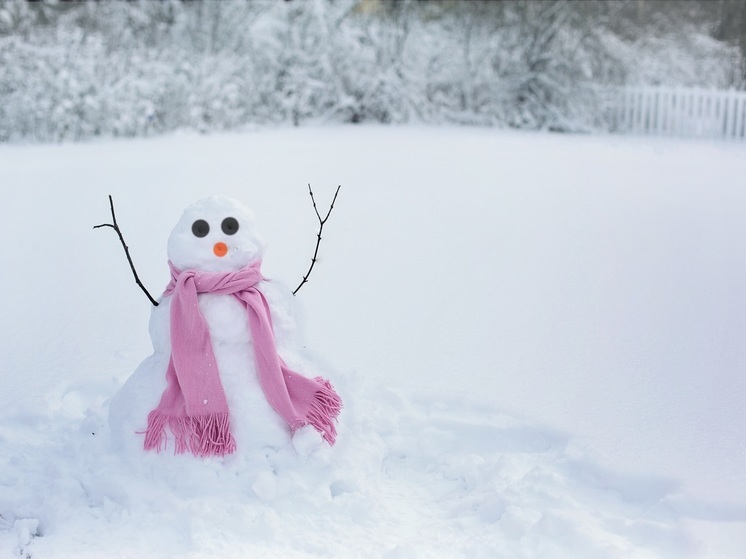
x: 322, y: 221
x: 115, y: 226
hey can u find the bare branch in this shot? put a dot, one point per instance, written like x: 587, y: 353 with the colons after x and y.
x: 322, y: 221
x: 126, y: 250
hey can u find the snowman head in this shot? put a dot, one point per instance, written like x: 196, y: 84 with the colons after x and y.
x: 216, y: 234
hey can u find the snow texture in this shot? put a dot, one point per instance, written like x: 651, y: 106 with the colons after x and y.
x: 538, y: 340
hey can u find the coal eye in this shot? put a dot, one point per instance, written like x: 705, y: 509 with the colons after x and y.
x: 200, y: 228
x: 229, y: 225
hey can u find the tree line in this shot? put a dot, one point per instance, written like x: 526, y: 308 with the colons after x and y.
x: 74, y: 70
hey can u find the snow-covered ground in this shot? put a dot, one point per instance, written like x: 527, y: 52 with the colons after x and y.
x: 539, y: 339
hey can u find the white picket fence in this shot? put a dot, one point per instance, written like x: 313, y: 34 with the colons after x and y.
x: 682, y: 112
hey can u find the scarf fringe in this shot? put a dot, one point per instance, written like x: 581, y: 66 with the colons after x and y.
x: 203, y: 435
x: 324, y: 410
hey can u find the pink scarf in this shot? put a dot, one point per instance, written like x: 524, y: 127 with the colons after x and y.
x: 193, y: 405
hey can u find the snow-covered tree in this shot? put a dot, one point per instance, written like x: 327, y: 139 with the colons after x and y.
x: 73, y: 70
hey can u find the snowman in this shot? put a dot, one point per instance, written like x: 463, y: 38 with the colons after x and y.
x: 215, y: 385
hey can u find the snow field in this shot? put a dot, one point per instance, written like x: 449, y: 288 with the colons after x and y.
x: 537, y: 339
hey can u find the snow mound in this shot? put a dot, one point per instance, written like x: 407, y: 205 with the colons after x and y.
x: 411, y: 476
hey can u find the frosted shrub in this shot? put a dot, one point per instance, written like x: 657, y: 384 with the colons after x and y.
x: 70, y: 71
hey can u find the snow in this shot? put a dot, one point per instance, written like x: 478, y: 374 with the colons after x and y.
x: 538, y: 340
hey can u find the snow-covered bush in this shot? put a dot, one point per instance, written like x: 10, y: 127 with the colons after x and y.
x: 70, y: 71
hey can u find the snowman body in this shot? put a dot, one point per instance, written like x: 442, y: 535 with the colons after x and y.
x: 213, y: 235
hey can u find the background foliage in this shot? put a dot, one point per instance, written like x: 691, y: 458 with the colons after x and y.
x: 74, y: 70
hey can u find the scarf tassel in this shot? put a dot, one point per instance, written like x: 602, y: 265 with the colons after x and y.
x: 324, y: 410
x: 203, y: 435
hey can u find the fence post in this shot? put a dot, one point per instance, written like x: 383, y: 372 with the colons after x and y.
x: 739, y: 104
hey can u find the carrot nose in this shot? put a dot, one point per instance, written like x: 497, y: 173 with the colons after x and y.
x: 220, y: 249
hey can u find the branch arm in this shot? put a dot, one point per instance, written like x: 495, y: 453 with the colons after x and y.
x: 115, y: 226
x: 322, y: 221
